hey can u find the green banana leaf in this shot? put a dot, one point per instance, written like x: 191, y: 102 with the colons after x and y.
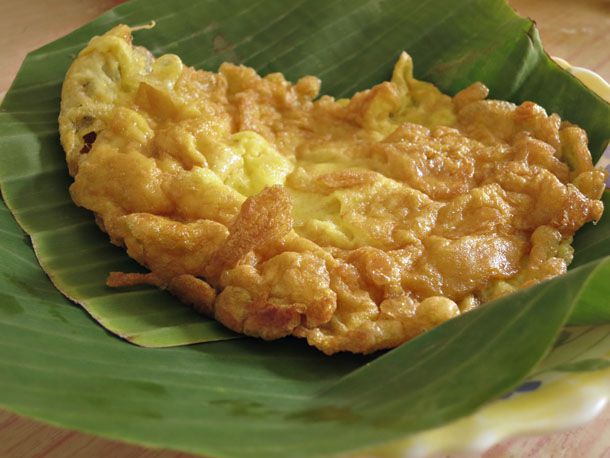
x: 244, y: 397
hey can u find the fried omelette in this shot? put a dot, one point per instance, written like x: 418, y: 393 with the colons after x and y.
x: 354, y: 223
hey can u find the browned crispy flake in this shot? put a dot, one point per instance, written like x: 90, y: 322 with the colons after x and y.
x: 121, y: 279
x: 262, y: 218
x: 195, y: 292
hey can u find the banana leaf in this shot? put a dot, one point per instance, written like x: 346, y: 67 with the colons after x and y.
x: 244, y: 397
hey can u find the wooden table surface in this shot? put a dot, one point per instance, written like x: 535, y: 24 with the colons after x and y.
x: 576, y: 30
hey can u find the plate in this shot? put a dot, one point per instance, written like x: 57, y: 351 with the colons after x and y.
x: 569, y: 389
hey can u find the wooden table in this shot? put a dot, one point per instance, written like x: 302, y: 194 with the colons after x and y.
x: 576, y: 30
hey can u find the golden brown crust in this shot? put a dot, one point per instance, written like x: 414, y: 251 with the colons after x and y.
x: 194, y: 292
x: 347, y: 178
x: 122, y: 279
x: 356, y: 224
x: 262, y: 218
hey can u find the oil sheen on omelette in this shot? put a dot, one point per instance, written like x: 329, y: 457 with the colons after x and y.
x: 354, y: 223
